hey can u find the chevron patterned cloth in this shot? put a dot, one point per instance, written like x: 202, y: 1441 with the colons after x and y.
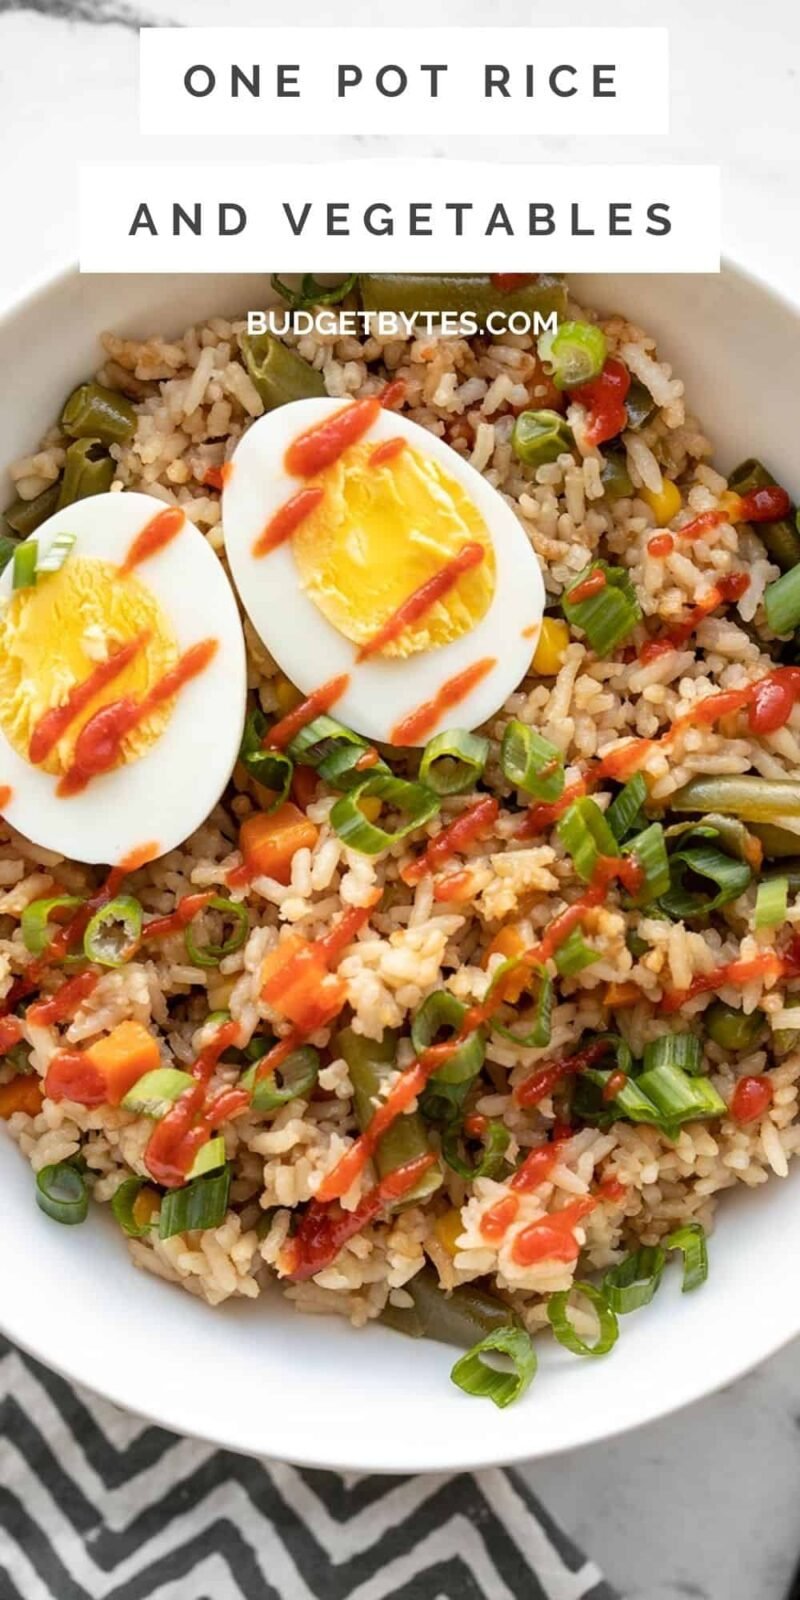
x: 97, y: 1505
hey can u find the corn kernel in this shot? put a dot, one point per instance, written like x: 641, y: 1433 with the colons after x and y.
x: 370, y: 807
x: 551, y: 648
x: 286, y: 695
x: 448, y: 1229
x: 145, y: 1206
x: 665, y: 505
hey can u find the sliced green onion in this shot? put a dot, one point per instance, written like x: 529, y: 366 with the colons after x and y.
x: 648, y: 849
x: 453, y: 762
x: 782, y: 602
x: 490, y: 1164
x: 531, y: 763
x: 475, y: 1376
x: 7, y: 548
x: 113, y: 934
x: 772, y: 901
x: 586, y: 836
x: 590, y: 1102
x: 334, y: 751
x: 61, y: 1193
x: 273, y: 769
x: 441, y: 1011
x: 537, y: 1036
x: 122, y: 1205
x: 24, y: 569
x: 443, y: 1103
x: 682, y: 1050
x: 200, y: 1205
x: 210, y: 1157
x: 575, y: 354
x: 417, y: 803
x: 691, y: 1241
x: 539, y: 437
x: 154, y: 1093
x: 37, y: 929
x: 633, y: 1281
x: 679, y: 1098
x: 54, y: 557
x: 312, y: 293
x: 608, y: 616
x: 685, y: 903
x: 623, y: 813
x: 210, y: 955
x: 731, y: 1029
x: 558, y: 1318
x: 294, y: 1079
x: 574, y: 954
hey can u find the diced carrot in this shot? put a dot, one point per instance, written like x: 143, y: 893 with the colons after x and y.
x: 21, y: 1094
x: 123, y: 1057
x: 304, y: 786
x: 508, y: 943
x: 296, y: 983
x: 622, y: 995
x: 268, y: 840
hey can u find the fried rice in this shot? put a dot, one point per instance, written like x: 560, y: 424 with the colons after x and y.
x: 194, y: 399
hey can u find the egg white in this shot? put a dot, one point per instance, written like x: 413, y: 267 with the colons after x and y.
x: 306, y: 645
x: 169, y: 791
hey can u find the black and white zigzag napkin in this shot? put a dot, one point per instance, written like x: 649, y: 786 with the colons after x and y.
x: 97, y: 1505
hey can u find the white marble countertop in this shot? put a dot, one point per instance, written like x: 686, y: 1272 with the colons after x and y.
x: 704, y: 1504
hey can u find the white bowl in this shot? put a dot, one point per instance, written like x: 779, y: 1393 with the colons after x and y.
x: 256, y: 1376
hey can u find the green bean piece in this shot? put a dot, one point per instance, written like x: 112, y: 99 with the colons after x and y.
x: 732, y: 1029
x: 781, y: 539
x: 278, y: 373
x: 755, y: 799
x: 93, y: 412
x: 639, y: 404
x: 88, y: 470
x: 615, y: 477
x: 459, y: 293
x: 25, y: 516
x: 539, y: 437
x: 457, y: 1318
x: 7, y: 548
x: 370, y: 1064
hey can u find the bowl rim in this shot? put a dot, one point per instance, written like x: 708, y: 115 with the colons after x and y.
x: 731, y: 1366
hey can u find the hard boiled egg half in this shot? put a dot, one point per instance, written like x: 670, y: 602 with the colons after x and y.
x: 122, y: 680
x: 365, y: 548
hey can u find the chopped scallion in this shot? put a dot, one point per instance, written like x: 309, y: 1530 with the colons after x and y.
x: 685, y: 899
x: 113, y: 934
x: 439, y: 1019
x: 782, y: 602
x: 273, y: 769
x: 474, y: 1375
x: 536, y: 1036
x: 531, y: 763
x: 61, y: 1193
x: 691, y: 1241
x: 199, y: 1205
x: 575, y: 353
x: 495, y: 1141
x: 539, y: 437
x: 633, y: 1281
x: 294, y: 1079
x: 608, y: 615
x: 564, y: 1330
x: 37, y: 928
x: 574, y: 954
x: 648, y: 849
x: 623, y: 813
x: 772, y: 900
x: 52, y: 559
x: 210, y: 955
x: 210, y: 1157
x: 682, y: 1050
x: 453, y: 761
x: 154, y: 1093
x: 586, y: 836
x: 416, y: 803
x: 23, y: 574
x: 123, y: 1206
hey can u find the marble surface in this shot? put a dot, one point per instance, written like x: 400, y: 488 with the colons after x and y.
x: 704, y: 1504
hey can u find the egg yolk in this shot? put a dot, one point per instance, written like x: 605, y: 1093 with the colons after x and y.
x: 378, y: 534
x: 54, y: 636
